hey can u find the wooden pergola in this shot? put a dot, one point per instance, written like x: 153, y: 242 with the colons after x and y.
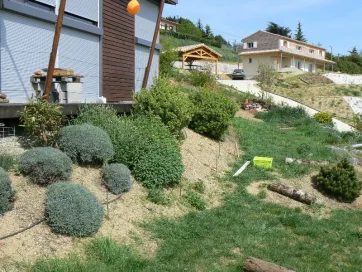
x: 199, y: 52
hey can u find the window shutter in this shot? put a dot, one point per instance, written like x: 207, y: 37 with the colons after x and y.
x: 288, y: 44
x: 281, y: 42
x: 245, y: 45
x: 255, y: 45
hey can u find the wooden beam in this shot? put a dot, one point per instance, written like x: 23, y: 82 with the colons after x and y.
x: 53, y: 54
x: 153, y: 47
x: 200, y: 57
x: 183, y: 62
x: 217, y: 63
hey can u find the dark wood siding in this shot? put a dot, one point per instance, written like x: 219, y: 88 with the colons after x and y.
x: 118, y: 51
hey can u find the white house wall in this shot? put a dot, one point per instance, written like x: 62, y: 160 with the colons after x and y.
x: 79, y: 51
x: 142, y: 54
x: 145, y: 25
x: 25, y: 48
x: 251, y: 69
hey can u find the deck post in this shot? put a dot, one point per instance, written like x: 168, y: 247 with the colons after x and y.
x: 53, y: 54
x: 153, y: 46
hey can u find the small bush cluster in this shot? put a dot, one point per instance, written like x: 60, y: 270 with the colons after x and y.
x: 86, y: 144
x: 202, y: 79
x: 117, y: 178
x: 285, y: 115
x: 167, y: 101
x: 213, y: 113
x: 42, y: 122
x: 133, y: 138
x: 7, y: 161
x: 323, y: 118
x: 157, y: 196
x: 73, y: 210
x: 46, y: 165
x: 340, y: 181
x: 6, y: 192
x: 160, y: 166
x: 195, y: 200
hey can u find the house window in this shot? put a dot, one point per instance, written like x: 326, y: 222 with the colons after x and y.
x: 285, y: 43
x: 250, y: 45
x: 311, y: 51
x: 298, y: 47
x: 320, y: 52
x: 250, y: 60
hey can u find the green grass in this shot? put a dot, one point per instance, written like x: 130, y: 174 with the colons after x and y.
x: 229, y: 55
x: 220, y: 239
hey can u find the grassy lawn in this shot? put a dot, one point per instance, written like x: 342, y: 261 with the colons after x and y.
x: 220, y: 239
x: 228, y: 54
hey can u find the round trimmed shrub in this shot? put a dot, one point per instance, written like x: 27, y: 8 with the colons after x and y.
x: 117, y: 178
x: 6, y: 192
x: 46, y: 165
x: 213, y: 113
x: 161, y: 166
x: 340, y: 181
x: 167, y: 101
x: 86, y: 144
x: 73, y: 210
x: 323, y: 118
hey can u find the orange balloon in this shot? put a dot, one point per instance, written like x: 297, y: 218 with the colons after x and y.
x: 133, y: 7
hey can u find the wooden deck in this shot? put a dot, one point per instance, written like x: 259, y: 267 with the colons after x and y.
x: 11, y: 111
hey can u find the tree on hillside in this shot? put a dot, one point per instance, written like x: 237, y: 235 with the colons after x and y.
x: 208, y: 33
x: 299, y: 36
x: 200, y: 26
x: 221, y: 39
x: 188, y: 27
x: 277, y: 29
x: 172, y: 18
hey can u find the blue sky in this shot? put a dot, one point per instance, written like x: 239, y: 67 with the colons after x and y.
x: 329, y: 22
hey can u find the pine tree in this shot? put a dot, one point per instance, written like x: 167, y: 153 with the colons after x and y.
x: 200, y: 26
x: 299, y: 36
x: 277, y: 29
x: 208, y: 32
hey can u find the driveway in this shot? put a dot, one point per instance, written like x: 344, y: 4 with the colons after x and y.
x: 249, y: 86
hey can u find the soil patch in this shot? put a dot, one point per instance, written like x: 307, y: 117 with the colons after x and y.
x: 248, y: 114
x: 123, y: 216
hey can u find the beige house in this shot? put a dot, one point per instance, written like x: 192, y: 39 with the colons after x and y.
x: 168, y: 25
x: 281, y: 52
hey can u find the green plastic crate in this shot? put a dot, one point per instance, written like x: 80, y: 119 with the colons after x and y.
x: 263, y: 162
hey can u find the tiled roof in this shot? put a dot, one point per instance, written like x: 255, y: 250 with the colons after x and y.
x: 186, y: 48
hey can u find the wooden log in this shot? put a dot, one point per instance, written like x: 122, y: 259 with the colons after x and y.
x: 256, y: 265
x: 2, y: 96
x: 294, y: 193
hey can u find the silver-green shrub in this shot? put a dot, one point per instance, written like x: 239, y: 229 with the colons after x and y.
x: 6, y: 192
x: 117, y: 178
x: 73, y: 210
x: 86, y: 144
x: 46, y: 165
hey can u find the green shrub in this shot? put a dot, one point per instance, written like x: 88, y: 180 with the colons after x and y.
x: 131, y: 137
x: 285, y: 115
x: 202, y: 79
x: 7, y: 161
x: 86, y: 144
x: 167, y: 101
x: 200, y: 187
x: 213, y: 113
x: 340, y: 181
x: 161, y: 166
x: 323, y: 118
x: 6, y: 192
x: 157, y: 196
x: 73, y: 210
x: 357, y: 121
x: 46, y: 165
x: 195, y: 200
x: 117, y: 178
x: 42, y: 122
